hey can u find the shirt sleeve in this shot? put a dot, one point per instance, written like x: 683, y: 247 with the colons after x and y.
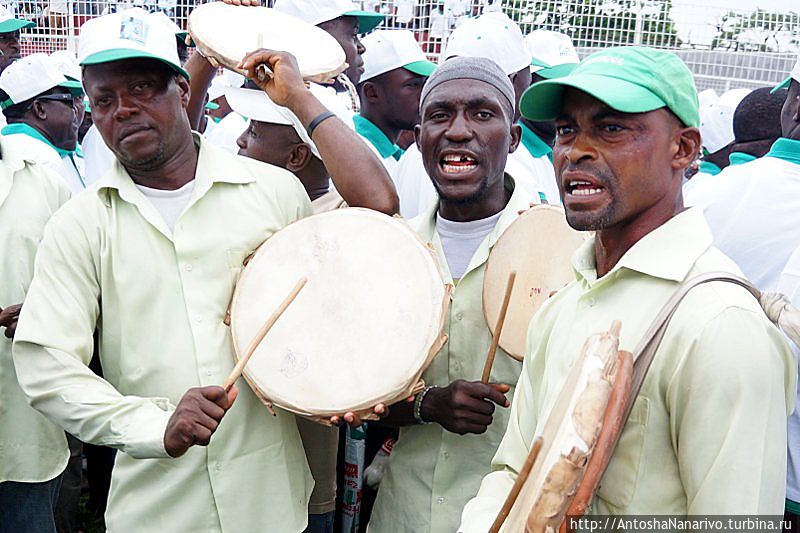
x: 729, y: 400
x: 54, y: 343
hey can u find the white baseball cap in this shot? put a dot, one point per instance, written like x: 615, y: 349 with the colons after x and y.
x: 552, y: 53
x: 256, y: 105
x: 9, y: 24
x: 164, y: 19
x: 707, y: 98
x: 31, y: 76
x: 716, y: 120
x: 228, y: 78
x: 493, y: 36
x: 128, y: 34
x: 67, y: 64
x: 318, y: 11
x: 794, y: 75
x: 390, y: 49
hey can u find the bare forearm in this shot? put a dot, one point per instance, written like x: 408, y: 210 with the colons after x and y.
x: 358, y: 174
x: 201, y: 74
x: 400, y: 414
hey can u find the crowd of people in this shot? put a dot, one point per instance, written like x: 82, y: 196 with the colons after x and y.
x: 136, y: 178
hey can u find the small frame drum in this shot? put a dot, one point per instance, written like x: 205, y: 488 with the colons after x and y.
x: 538, y: 246
x: 365, y: 326
x: 224, y: 34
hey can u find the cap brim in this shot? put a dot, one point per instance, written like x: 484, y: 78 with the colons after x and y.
x: 118, y: 54
x: 255, y: 105
x: 74, y: 87
x: 784, y: 85
x: 11, y: 25
x: 366, y: 20
x: 422, y: 68
x: 543, y: 100
x: 557, y: 71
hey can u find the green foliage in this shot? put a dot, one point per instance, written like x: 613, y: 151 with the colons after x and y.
x: 594, y: 23
x: 759, y: 31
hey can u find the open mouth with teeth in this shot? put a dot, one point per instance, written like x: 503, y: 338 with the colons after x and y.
x: 583, y: 188
x: 458, y: 163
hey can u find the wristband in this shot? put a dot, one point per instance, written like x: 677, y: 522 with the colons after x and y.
x: 319, y: 119
x: 418, y: 405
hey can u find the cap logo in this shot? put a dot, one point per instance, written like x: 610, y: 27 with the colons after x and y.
x: 133, y: 29
x: 618, y: 61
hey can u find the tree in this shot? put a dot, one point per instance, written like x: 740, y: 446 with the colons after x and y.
x: 594, y: 23
x: 761, y: 30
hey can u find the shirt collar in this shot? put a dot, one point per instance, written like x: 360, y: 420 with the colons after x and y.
x: 379, y: 140
x: 668, y: 252
x: 213, y: 166
x: 786, y: 149
x: 519, y: 201
x: 30, y: 131
x: 709, y: 168
x: 740, y: 158
x: 534, y: 144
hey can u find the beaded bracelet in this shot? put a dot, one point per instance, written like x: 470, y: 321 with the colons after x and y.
x: 418, y: 405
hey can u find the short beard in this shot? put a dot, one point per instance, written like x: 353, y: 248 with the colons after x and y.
x: 599, y: 221
x: 152, y: 162
x: 475, y: 197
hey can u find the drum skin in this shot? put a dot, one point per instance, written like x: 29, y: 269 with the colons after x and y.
x: 225, y: 33
x: 539, y: 247
x: 362, y: 330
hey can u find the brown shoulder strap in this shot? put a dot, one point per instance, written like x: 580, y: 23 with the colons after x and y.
x: 646, y: 350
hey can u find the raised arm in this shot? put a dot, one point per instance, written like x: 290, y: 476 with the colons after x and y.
x: 358, y: 174
x: 201, y: 74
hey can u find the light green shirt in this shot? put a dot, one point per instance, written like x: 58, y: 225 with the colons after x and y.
x: 32, y: 449
x: 707, y: 434
x: 159, y: 300
x: 432, y: 473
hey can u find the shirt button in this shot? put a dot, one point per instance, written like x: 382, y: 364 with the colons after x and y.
x: 591, y: 302
x: 188, y: 268
x: 198, y: 319
x: 459, y: 316
x: 440, y: 500
x: 446, y: 455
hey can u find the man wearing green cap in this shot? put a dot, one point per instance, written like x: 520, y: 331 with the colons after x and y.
x: 9, y: 36
x: 707, y: 432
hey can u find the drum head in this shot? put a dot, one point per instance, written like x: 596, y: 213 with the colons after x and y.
x: 361, y: 331
x: 227, y: 33
x: 539, y: 246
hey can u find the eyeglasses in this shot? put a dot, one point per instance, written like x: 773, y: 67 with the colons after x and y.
x: 66, y: 98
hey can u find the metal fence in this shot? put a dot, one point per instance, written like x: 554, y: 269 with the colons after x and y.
x: 724, y: 47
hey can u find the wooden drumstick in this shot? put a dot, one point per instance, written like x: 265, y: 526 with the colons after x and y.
x: 487, y: 368
x: 515, y: 490
x: 237, y: 370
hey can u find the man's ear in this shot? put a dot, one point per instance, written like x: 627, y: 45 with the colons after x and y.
x: 516, y: 135
x: 38, y: 110
x: 417, y: 135
x: 370, y: 91
x: 689, y: 144
x: 183, y: 90
x: 299, y: 157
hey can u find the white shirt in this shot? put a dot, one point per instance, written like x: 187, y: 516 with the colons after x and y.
x: 540, y: 171
x: 754, y: 217
x: 461, y: 239
x: 789, y: 285
x: 69, y: 167
x: 169, y: 203
x: 405, y: 10
x: 98, y: 157
x: 416, y: 191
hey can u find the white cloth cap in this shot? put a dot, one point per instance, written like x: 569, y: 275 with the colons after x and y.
x: 493, y: 36
x: 256, y: 105
x: 160, y: 16
x: 716, y: 120
x: 550, y: 49
x: 132, y: 33
x: 795, y: 74
x: 67, y: 64
x: 220, y: 83
x: 318, y: 11
x: 390, y: 49
x: 707, y: 98
x: 31, y: 76
x: 8, y: 23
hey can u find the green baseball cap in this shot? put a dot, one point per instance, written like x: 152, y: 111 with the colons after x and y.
x: 630, y: 79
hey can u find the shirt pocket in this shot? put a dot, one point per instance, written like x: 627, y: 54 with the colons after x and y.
x: 618, y: 484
